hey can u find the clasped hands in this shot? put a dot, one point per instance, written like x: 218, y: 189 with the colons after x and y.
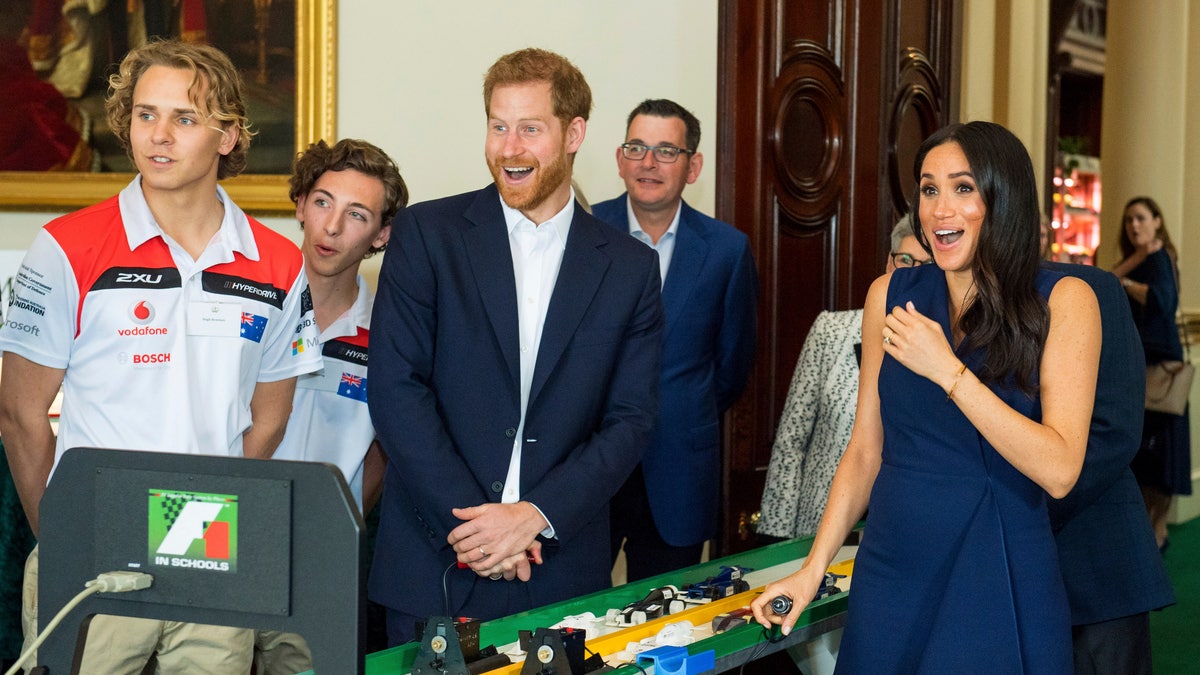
x: 499, y: 540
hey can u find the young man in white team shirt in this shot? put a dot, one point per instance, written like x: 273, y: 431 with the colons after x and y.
x: 109, y: 301
x: 345, y: 198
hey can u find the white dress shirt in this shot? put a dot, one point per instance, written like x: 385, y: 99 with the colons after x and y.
x: 537, y: 251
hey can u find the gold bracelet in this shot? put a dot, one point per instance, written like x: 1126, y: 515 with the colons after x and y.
x: 957, y: 377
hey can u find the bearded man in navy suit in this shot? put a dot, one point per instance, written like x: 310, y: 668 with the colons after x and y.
x: 515, y: 345
x: 668, y: 508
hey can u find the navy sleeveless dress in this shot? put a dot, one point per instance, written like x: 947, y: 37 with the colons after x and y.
x: 958, y: 571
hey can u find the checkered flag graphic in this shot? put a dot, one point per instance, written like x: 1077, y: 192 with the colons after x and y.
x: 172, y: 506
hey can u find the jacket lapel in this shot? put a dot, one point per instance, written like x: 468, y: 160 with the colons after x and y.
x: 490, y: 258
x: 691, y: 250
x: 583, y: 268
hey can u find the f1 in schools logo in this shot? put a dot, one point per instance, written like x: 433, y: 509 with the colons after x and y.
x: 194, y: 530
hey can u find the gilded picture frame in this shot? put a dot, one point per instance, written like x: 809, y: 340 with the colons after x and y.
x: 258, y: 194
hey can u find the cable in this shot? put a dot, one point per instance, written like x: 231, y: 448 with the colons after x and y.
x: 446, y: 589
x: 762, y: 646
x: 107, y: 582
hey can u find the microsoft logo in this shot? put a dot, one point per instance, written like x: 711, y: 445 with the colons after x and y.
x: 196, y: 530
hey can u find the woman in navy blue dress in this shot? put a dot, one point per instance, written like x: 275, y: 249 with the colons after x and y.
x: 1150, y: 275
x: 975, y: 397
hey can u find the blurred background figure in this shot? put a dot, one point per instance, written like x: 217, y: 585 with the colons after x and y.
x: 1150, y: 274
x: 819, y: 411
x: 40, y: 130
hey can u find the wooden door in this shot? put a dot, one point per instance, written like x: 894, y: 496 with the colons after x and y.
x: 822, y: 105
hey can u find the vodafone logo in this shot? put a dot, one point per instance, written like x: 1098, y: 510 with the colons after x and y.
x: 142, y: 312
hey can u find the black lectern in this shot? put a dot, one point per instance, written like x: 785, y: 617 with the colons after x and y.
x: 268, y: 544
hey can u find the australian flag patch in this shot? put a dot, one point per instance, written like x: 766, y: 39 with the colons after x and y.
x: 353, y: 386
x: 253, y: 326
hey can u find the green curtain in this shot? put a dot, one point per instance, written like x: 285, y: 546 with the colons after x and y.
x: 16, y: 541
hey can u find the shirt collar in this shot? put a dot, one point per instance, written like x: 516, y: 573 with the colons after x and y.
x: 140, y: 226
x: 635, y: 228
x: 561, y: 221
x: 359, y: 314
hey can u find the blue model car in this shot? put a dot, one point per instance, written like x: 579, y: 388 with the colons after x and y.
x: 729, y: 581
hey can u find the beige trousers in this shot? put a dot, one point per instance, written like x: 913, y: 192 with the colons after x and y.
x: 118, y: 645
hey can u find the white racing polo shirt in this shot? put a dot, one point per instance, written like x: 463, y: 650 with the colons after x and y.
x: 330, y: 421
x: 161, y: 352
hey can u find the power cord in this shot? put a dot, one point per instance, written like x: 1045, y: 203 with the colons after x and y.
x: 770, y: 636
x: 446, y: 587
x: 120, y: 581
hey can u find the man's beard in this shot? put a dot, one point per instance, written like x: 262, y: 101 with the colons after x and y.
x: 546, y: 179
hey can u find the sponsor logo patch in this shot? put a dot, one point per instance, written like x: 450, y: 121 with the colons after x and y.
x: 192, y: 530
x: 22, y: 327
x: 142, y: 312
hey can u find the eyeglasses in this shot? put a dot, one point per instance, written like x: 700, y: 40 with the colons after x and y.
x: 906, y: 260
x: 663, y: 153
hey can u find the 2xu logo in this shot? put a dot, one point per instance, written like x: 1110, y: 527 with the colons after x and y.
x: 138, y: 278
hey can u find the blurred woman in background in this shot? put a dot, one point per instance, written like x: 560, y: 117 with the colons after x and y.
x: 1150, y: 275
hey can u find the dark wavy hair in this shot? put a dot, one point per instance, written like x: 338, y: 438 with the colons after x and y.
x: 1008, y: 315
x: 350, y: 153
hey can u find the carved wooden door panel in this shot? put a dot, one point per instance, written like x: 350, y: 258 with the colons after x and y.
x: 822, y: 105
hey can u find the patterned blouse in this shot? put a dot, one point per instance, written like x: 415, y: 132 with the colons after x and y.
x: 815, y: 428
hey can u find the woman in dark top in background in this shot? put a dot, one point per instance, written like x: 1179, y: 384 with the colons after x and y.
x: 1150, y: 276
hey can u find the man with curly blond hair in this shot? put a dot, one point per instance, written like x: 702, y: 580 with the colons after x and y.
x: 167, y: 317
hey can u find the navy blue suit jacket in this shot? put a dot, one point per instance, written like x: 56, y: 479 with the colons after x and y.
x: 444, y: 394
x: 1110, y: 563
x: 710, y: 301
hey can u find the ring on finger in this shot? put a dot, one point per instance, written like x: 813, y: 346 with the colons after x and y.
x: 887, y: 339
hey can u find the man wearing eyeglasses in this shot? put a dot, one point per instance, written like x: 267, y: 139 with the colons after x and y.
x: 709, y: 297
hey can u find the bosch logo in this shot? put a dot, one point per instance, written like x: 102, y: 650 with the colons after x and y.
x: 144, y: 359
x: 142, y: 312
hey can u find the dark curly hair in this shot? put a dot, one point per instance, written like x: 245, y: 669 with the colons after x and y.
x: 350, y: 153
